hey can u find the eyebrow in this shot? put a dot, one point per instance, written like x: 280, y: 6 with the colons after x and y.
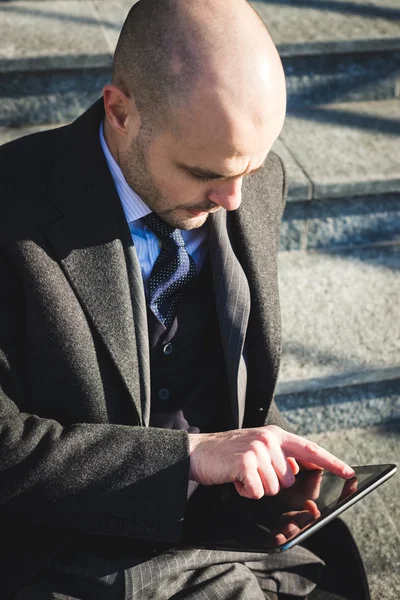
x: 212, y: 175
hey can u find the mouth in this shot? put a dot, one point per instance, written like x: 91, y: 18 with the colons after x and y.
x: 201, y: 213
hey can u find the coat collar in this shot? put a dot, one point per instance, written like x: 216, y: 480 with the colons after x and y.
x: 94, y: 246
x: 232, y: 298
x: 89, y: 240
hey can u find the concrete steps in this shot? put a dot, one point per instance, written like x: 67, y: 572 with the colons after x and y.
x: 339, y: 262
x: 374, y: 521
x: 56, y: 56
x: 336, y: 50
x: 343, y: 170
x: 340, y: 252
x: 341, y: 337
x: 344, y: 175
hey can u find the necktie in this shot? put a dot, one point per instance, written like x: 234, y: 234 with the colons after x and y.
x: 172, y: 271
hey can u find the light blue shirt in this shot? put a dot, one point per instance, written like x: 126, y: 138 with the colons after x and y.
x: 146, y: 243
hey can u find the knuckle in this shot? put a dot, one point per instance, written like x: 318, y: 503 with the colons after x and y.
x: 252, y: 488
x: 256, y: 493
x: 267, y: 439
x: 288, y: 482
x: 312, y: 448
x: 273, y: 489
x: 255, y: 446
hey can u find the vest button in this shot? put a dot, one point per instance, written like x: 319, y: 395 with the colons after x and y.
x: 164, y: 394
x: 167, y: 349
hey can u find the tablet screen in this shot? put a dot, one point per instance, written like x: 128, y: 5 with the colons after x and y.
x: 220, y: 518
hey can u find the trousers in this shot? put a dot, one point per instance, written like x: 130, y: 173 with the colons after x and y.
x: 176, y: 574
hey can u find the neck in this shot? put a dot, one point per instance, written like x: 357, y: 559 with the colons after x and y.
x: 109, y: 136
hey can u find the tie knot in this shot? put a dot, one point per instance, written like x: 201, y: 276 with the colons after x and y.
x: 163, y: 231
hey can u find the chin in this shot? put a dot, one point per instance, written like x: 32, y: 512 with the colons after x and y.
x: 193, y: 222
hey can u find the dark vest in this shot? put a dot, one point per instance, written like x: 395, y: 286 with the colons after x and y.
x: 189, y: 387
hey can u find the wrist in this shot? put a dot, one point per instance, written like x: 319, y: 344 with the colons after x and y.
x: 194, y: 441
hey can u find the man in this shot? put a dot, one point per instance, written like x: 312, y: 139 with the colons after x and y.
x: 139, y: 318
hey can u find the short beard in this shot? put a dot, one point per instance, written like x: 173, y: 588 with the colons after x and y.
x: 133, y: 165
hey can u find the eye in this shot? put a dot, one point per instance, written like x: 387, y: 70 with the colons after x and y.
x: 200, y: 178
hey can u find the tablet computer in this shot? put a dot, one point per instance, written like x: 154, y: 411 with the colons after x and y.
x: 218, y: 518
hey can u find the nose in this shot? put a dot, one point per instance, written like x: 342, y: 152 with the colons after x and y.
x: 227, y: 194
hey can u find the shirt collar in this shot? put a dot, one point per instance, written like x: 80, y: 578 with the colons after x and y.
x: 133, y: 205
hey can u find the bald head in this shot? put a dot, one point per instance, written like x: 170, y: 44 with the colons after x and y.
x: 215, y: 56
x: 197, y: 100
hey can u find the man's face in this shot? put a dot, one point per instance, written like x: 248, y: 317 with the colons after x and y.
x: 194, y: 169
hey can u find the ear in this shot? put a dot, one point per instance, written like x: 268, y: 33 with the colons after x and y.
x: 121, y: 112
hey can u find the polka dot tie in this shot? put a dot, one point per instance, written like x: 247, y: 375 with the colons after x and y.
x: 172, y: 271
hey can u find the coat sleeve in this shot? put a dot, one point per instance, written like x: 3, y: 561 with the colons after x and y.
x: 275, y: 416
x: 89, y: 478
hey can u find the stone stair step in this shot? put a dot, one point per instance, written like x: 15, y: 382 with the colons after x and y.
x: 336, y: 50
x: 319, y: 223
x: 323, y: 410
x: 340, y: 311
x: 374, y: 521
x: 344, y: 158
x: 48, y: 97
x: 305, y: 27
x: 342, y: 222
x: 43, y: 35
x: 341, y: 336
x: 346, y: 149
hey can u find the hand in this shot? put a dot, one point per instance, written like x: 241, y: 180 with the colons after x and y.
x: 305, y: 488
x: 293, y: 522
x: 256, y: 460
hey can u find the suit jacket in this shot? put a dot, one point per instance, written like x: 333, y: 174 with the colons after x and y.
x: 76, y: 453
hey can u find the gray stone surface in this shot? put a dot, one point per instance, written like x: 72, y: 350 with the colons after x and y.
x: 374, y: 520
x: 327, y: 78
x: 342, y: 408
x: 347, y: 149
x: 341, y: 222
x: 340, y: 311
x: 53, y: 97
x: 332, y: 382
x: 299, y: 184
x: 303, y: 27
x: 294, y: 226
x: 364, y: 220
x: 300, y: 27
x: 63, y: 34
x: 112, y: 15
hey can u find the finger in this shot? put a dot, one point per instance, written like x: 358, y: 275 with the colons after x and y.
x: 293, y: 465
x: 279, y: 539
x: 251, y: 486
x: 308, y: 466
x: 281, y: 466
x: 350, y: 486
x: 290, y: 529
x: 299, y: 518
x: 305, y: 450
x: 313, y: 484
x: 269, y: 479
x: 312, y: 508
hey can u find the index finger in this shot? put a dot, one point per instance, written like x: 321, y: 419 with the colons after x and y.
x: 302, y: 449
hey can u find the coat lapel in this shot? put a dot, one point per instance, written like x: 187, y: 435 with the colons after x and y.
x: 141, y: 330
x: 88, y: 240
x: 233, y: 308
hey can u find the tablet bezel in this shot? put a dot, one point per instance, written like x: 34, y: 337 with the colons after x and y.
x: 379, y: 474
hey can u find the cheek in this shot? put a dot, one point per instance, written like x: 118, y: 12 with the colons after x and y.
x: 179, y: 190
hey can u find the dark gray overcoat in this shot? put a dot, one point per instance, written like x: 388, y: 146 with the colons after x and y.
x: 76, y: 454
